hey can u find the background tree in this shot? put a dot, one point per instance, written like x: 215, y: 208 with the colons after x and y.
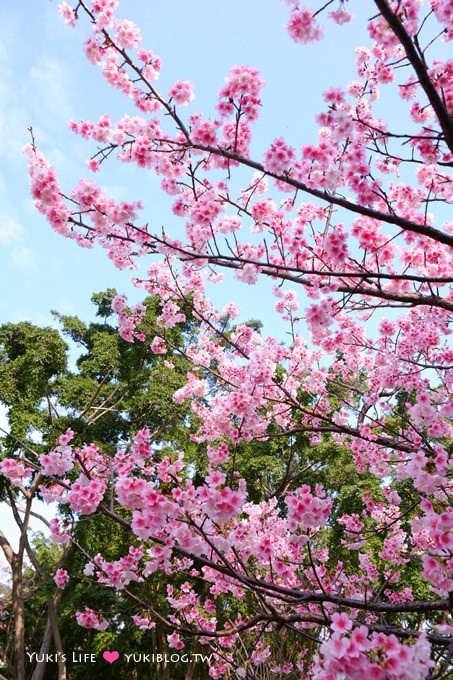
x: 31, y: 360
x: 115, y: 389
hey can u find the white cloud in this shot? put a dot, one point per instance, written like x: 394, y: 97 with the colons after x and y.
x: 33, y: 88
x: 23, y: 258
x: 48, y: 80
x: 11, y: 232
x: 13, y: 236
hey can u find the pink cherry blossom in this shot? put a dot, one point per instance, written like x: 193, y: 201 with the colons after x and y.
x: 67, y: 13
x: 127, y: 34
x: 61, y: 578
x: 15, y: 471
x: 91, y: 619
x: 341, y: 623
x: 302, y: 27
x: 182, y: 92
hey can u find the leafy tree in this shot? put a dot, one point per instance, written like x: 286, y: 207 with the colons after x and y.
x: 116, y: 388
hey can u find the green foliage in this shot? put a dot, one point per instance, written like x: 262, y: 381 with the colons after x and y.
x: 120, y: 387
x: 31, y: 360
x: 115, y: 389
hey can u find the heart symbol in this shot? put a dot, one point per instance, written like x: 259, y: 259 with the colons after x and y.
x: 111, y: 657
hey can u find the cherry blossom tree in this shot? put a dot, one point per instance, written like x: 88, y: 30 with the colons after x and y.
x: 353, y: 231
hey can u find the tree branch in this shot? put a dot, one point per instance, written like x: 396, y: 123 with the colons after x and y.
x: 419, y: 67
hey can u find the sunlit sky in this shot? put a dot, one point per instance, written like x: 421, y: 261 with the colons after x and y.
x: 45, y: 80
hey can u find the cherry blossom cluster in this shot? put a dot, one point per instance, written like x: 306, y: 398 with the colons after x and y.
x: 302, y: 26
x: 443, y: 10
x: 90, y: 619
x: 355, y: 654
x: 117, y: 574
x: 46, y: 192
x: 353, y: 230
x: 60, y: 531
x: 58, y: 461
x: 242, y: 89
x: 15, y: 471
x: 61, y: 578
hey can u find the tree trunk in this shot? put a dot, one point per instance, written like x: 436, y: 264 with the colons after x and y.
x: 50, y: 632
x: 53, y: 606
x: 40, y: 668
x: 159, y: 646
x: 18, y: 614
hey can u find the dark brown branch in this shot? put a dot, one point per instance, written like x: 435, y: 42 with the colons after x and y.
x: 6, y: 547
x: 420, y: 69
x: 296, y: 596
x: 390, y: 218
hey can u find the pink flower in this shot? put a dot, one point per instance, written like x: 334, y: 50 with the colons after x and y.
x: 302, y: 26
x: 130, y: 491
x: 248, y: 274
x: 127, y: 34
x: 243, y: 87
x: 57, y: 462
x: 218, y: 455
x: 359, y: 637
x: 280, y: 157
x: 67, y: 13
x: 93, y: 165
x: 340, y: 16
x: 143, y: 622
x: 158, y: 345
x: 320, y: 316
x: 53, y: 493
x: 61, y: 578
x: 232, y: 310
x: 174, y: 641
x: 339, y: 646
x: 57, y: 531
x: 341, y: 623
x: 222, y: 504
x: 204, y: 132
x: 182, y: 92
x: 91, y: 619
x: 86, y: 494
x: 307, y: 510
x: 16, y: 472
